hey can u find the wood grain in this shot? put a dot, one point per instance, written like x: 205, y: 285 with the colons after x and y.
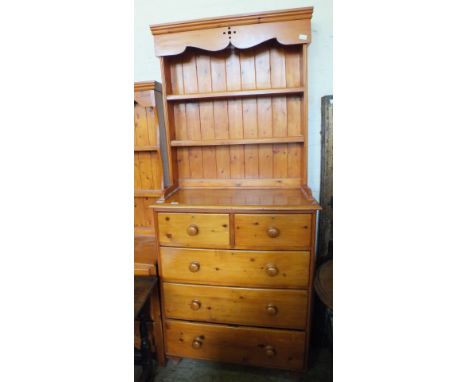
x: 236, y: 268
x: 238, y: 228
x: 261, y: 200
x: 245, y: 306
x: 212, y: 230
x: 145, y: 249
x: 294, y: 231
x: 260, y: 92
x: 243, y: 345
x: 242, y: 37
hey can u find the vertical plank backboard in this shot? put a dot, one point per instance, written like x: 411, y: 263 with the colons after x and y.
x: 141, y: 126
x: 180, y: 126
x: 279, y: 112
x: 203, y: 63
x: 236, y: 131
x: 267, y: 66
x: 249, y: 112
x: 220, y: 114
x: 293, y: 79
x: 264, y: 118
x: 192, y: 111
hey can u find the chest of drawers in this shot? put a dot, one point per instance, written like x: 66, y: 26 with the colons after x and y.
x: 235, y: 235
x: 237, y: 277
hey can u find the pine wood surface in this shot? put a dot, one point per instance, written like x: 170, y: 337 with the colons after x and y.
x: 227, y: 142
x: 148, y: 172
x: 235, y: 94
x: 236, y: 225
x: 243, y: 345
x: 236, y: 268
x: 273, y: 125
x: 142, y: 269
x: 145, y: 249
x: 279, y: 308
x: 211, y: 230
x: 238, y: 200
x: 250, y: 231
x: 240, y: 19
x: 147, y: 159
x: 241, y: 31
x: 293, y: 231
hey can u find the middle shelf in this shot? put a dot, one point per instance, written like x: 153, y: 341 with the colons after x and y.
x: 238, y: 141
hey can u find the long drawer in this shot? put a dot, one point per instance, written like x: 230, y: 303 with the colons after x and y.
x: 273, y: 231
x: 244, y: 345
x: 280, y: 308
x: 273, y: 269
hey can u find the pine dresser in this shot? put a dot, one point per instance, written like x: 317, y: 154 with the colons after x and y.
x: 235, y: 228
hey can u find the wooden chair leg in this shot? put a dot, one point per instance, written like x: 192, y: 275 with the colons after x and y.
x: 146, y: 358
x: 158, y: 328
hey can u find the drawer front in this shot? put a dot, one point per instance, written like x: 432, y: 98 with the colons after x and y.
x: 249, y: 346
x: 273, y: 231
x: 194, y: 230
x: 286, y: 269
x: 280, y: 308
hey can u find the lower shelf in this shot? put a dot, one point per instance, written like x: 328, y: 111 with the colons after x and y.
x: 273, y: 348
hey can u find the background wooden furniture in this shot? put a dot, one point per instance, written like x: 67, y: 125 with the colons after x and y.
x: 149, y: 185
x: 143, y: 289
x: 325, y: 232
x: 236, y: 234
x: 324, y: 289
x: 148, y: 174
x: 148, y: 171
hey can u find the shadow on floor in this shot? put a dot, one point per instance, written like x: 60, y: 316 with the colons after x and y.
x: 321, y: 370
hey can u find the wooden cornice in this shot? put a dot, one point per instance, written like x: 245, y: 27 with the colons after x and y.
x: 146, y: 85
x: 243, y: 19
x: 288, y: 27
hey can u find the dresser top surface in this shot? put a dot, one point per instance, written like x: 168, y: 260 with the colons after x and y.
x: 239, y: 199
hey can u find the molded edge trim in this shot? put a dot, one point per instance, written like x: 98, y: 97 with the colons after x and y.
x: 147, y: 85
x: 242, y: 19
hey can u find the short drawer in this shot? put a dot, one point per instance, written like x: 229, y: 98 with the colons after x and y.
x: 249, y: 346
x: 194, y: 230
x: 279, y: 308
x: 272, y: 269
x: 273, y: 231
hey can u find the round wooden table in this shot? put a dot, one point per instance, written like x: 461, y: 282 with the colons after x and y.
x: 324, y: 283
x: 324, y: 288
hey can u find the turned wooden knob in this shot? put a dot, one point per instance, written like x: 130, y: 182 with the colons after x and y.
x: 272, y: 310
x: 273, y: 232
x: 195, y: 305
x: 194, y: 266
x: 192, y: 230
x: 271, y: 270
x: 197, y: 343
x: 270, y: 351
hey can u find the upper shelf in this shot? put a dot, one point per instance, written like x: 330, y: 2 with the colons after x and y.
x: 236, y: 94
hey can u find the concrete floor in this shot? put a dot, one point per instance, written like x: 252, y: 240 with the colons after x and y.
x: 203, y: 371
